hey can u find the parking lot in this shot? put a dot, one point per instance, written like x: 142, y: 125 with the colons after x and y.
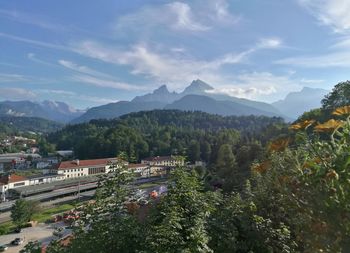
x: 41, y: 232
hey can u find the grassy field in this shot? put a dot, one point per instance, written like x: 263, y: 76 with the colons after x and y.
x: 48, y: 213
x: 40, y: 217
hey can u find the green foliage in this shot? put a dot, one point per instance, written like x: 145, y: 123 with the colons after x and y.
x: 111, y: 227
x: 22, y: 211
x: 226, y: 168
x: 307, y: 188
x: 179, y: 221
x: 236, y: 226
x: 32, y: 247
x: 153, y: 133
x: 339, y: 96
x: 13, y: 125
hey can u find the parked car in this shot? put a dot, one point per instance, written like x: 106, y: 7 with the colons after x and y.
x: 58, y: 232
x: 17, y: 241
x: 3, y: 248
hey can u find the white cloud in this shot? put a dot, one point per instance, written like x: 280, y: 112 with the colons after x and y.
x: 311, y: 81
x: 16, y: 93
x: 269, y: 43
x: 333, y: 59
x: 334, y: 13
x: 57, y: 92
x: 5, y: 78
x: 106, y: 83
x: 82, y: 69
x: 71, y: 94
x: 97, y: 78
x: 26, y: 18
x: 34, y: 58
x: 34, y: 42
x: 195, y: 16
x: 184, y: 19
x: 169, y: 66
x: 263, y: 86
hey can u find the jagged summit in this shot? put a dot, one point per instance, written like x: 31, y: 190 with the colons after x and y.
x: 161, y: 90
x: 197, y: 86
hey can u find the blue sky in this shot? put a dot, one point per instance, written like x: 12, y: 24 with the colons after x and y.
x: 88, y: 52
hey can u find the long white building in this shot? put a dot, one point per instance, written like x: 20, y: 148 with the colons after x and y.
x: 81, y: 168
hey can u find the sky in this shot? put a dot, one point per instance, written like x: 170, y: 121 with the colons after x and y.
x: 88, y: 53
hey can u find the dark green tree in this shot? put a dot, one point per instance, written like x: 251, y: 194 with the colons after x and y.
x: 178, y: 222
x: 21, y: 212
x: 339, y: 96
x: 226, y: 168
x: 32, y: 247
x: 194, y: 153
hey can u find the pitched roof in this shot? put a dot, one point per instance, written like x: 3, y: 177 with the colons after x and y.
x: 13, y: 178
x: 85, y: 163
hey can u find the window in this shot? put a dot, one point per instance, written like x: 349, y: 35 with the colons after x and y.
x: 18, y: 184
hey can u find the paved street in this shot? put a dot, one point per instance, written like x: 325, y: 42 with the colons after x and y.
x: 42, y: 233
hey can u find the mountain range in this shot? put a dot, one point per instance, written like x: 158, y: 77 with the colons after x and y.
x: 198, y: 96
x: 296, y: 103
x: 51, y: 110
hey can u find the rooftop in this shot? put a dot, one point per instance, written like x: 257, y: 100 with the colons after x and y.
x: 85, y: 163
x: 159, y: 158
x: 13, y: 178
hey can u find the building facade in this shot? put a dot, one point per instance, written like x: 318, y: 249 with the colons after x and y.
x: 82, y: 168
x: 170, y: 161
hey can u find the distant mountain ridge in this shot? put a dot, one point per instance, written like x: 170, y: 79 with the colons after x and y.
x: 198, y: 96
x: 50, y: 110
x: 14, y: 124
x: 296, y: 103
x: 220, y: 107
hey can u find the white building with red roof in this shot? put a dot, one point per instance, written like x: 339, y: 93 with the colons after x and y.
x: 82, y: 168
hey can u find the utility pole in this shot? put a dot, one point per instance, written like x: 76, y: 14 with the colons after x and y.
x: 79, y: 190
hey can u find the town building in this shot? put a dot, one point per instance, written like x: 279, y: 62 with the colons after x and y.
x: 140, y: 169
x: 170, y: 161
x: 13, y: 181
x: 82, y: 168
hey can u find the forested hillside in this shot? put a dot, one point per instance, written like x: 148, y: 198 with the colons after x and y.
x: 196, y: 135
x: 12, y: 125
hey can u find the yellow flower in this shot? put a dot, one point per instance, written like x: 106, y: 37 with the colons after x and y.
x: 342, y: 110
x: 279, y: 145
x: 302, y: 125
x: 328, y: 126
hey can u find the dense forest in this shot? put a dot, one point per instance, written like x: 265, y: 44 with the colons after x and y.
x: 196, y: 135
x: 11, y: 125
